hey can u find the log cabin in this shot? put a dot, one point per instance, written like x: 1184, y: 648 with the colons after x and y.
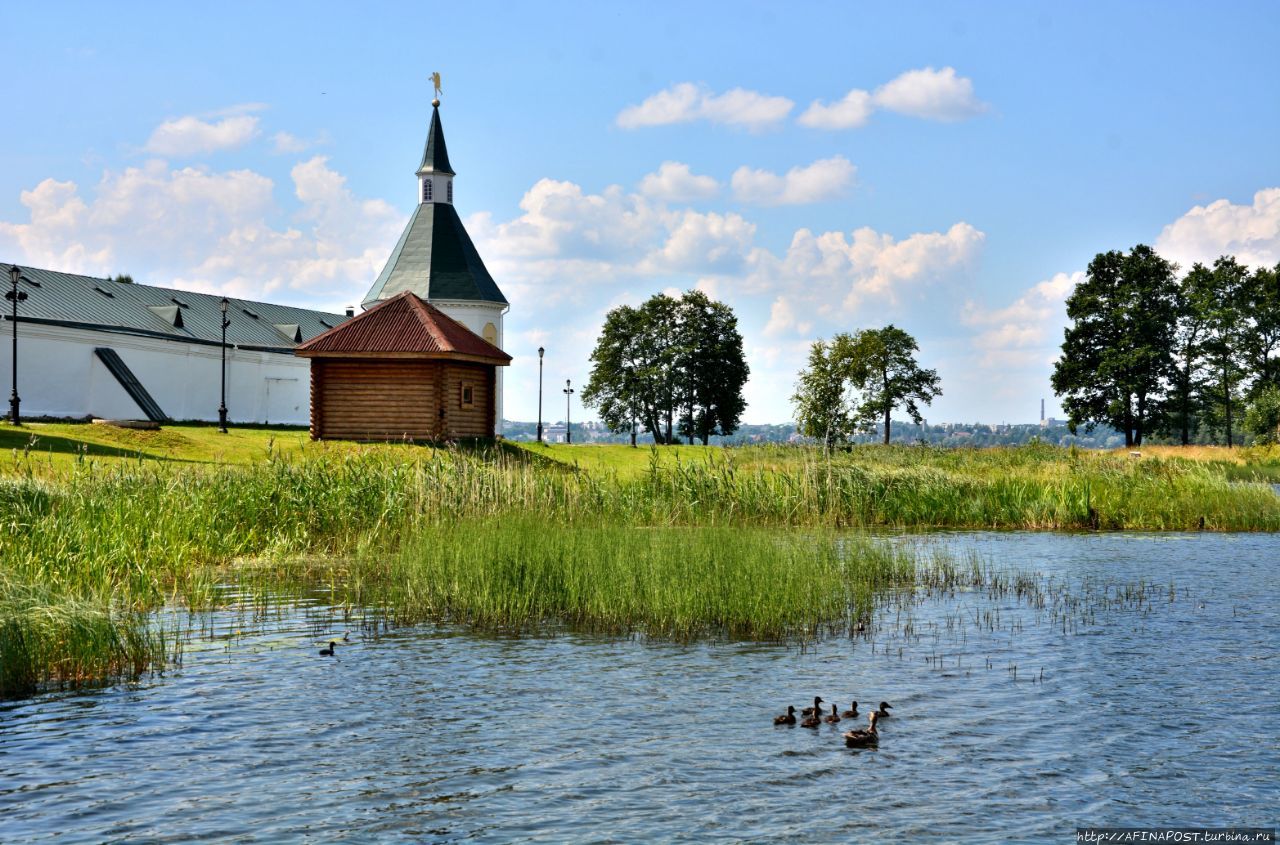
x: 403, y: 370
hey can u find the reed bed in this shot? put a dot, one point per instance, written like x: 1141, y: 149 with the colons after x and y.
x: 668, y: 548
x: 680, y: 583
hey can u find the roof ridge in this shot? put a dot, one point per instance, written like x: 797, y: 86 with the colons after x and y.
x: 422, y: 309
x: 460, y: 325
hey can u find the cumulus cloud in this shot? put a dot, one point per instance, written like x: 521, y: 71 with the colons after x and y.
x: 783, y: 319
x: 675, y: 182
x: 825, y: 179
x: 686, y: 102
x: 209, y: 230
x: 931, y: 94
x: 188, y: 136
x: 925, y: 93
x: 1030, y: 324
x: 851, y: 112
x: 287, y: 142
x: 1249, y: 232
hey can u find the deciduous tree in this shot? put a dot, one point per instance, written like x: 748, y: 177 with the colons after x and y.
x: 1116, y: 355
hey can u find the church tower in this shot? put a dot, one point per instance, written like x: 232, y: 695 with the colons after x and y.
x: 435, y: 257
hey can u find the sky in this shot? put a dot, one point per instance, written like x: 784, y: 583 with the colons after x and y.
x: 949, y: 168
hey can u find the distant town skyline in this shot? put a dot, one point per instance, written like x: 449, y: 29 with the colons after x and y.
x: 819, y: 168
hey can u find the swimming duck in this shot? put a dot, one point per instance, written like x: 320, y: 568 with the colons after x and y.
x: 863, y: 737
x: 852, y: 712
x: 883, y: 712
x: 834, y: 717
x: 328, y: 652
x: 812, y: 721
x: 816, y: 709
x: 788, y: 718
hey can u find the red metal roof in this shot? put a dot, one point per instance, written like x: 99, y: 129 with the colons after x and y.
x: 403, y: 325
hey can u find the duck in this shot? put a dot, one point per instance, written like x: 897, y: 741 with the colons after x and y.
x: 812, y: 721
x: 863, y: 737
x: 328, y: 652
x: 834, y: 717
x: 852, y: 712
x: 816, y: 709
x: 788, y: 718
x: 883, y: 712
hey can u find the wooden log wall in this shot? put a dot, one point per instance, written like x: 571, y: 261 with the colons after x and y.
x: 369, y: 399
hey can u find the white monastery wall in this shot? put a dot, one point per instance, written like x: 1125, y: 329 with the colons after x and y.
x: 59, y: 376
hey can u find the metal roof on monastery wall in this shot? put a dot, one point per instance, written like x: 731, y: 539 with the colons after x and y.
x: 97, y: 303
x: 436, y: 259
x: 403, y: 325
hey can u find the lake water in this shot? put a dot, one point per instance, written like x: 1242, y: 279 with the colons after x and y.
x: 1154, y: 716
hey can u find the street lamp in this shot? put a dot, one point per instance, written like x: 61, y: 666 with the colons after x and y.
x: 15, y: 296
x: 222, y: 408
x: 568, y: 429
x: 541, y: 352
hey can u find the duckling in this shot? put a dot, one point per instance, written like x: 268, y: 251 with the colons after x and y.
x: 788, y: 718
x: 816, y: 709
x: 883, y: 712
x: 328, y: 652
x: 834, y: 717
x: 812, y: 721
x: 852, y: 712
x: 863, y: 737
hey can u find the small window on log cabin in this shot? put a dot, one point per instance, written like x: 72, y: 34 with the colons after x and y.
x: 468, y: 395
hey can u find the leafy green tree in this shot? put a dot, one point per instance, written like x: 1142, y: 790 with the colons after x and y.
x: 1262, y: 417
x: 1116, y: 354
x: 1183, y: 403
x: 823, y: 407
x: 1261, y: 300
x: 882, y: 368
x: 856, y: 381
x: 617, y: 385
x: 1226, y: 342
x: 675, y: 366
x: 713, y: 366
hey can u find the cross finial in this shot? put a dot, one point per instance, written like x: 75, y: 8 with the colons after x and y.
x: 435, y: 81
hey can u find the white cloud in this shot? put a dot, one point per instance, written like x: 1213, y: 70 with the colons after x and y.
x: 825, y: 179
x: 931, y: 94
x: 186, y: 136
x: 675, y: 182
x: 1031, y: 324
x: 927, y: 93
x: 851, y: 112
x: 686, y: 102
x: 1249, y: 232
x: 782, y: 319
x: 703, y: 243
x: 212, y: 231
x: 287, y: 142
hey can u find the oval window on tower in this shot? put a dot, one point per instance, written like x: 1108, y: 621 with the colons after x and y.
x: 491, y: 333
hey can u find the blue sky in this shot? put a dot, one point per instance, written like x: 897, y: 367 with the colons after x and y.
x: 949, y: 168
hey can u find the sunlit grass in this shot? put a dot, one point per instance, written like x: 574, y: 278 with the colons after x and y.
x: 749, y: 542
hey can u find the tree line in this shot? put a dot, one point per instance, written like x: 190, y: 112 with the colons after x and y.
x: 674, y: 367
x: 1151, y: 352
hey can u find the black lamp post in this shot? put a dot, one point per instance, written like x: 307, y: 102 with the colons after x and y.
x: 541, y: 352
x: 222, y: 407
x: 568, y: 429
x: 15, y: 296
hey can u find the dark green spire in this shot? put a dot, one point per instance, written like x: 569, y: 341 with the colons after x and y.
x: 436, y: 155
